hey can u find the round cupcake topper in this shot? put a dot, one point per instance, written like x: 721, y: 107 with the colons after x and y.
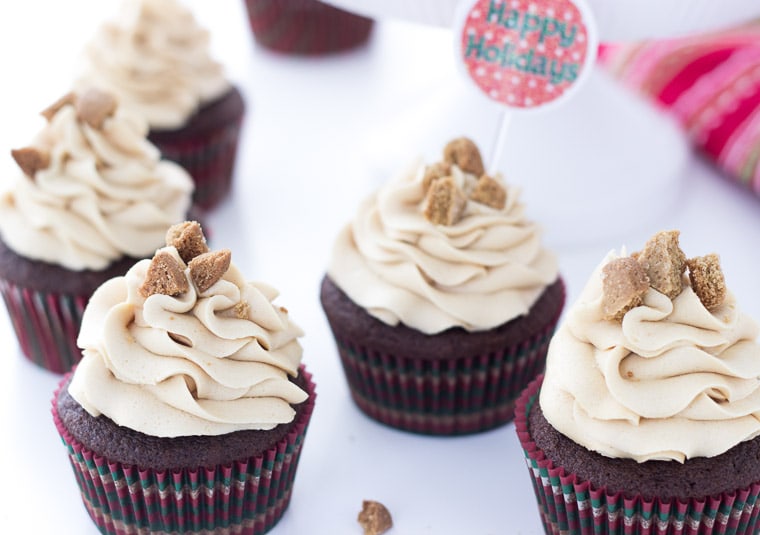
x: 525, y: 54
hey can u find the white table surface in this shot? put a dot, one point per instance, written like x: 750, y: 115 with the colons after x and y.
x: 301, y: 171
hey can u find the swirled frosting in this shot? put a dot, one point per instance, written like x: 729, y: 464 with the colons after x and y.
x: 200, y: 363
x: 671, y: 382
x: 156, y: 59
x: 105, y: 194
x: 484, y: 270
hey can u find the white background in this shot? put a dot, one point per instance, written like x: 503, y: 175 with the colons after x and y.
x: 319, y: 135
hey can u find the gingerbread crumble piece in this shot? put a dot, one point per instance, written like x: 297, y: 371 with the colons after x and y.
x: 374, y: 518
x: 165, y: 276
x: 206, y: 269
x: 94, y: 107
x: 49, y: 112
x: 664, y: 262
x: 434, y: 172
x: 707, y: 280
x: 242, y: 309
x: 490, y: 192
x: 31, y: 160
x: 188, y: 239
x: 624, y: 283
x: 444, y: 202
x: 465, y: 154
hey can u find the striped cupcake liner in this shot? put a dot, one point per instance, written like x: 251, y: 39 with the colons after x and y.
x: 571, y: 506
x: 305, y: 26
x: 46, y: 325
x: 243, y: 497
x: 443, y: 396
x: 209, y: 157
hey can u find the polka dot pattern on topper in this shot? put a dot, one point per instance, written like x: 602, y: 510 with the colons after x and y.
x: 526, y: 53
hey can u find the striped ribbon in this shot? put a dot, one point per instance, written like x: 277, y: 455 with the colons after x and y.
x: 711, y: 85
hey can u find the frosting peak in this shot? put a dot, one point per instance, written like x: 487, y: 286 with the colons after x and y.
x: 96, y: 189
x: 432, y: 269
x: 156, y: 58
x: 168, y: 363
x: 655, y: 383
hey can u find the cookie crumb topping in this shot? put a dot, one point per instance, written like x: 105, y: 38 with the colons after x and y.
x: 207, y: 268
x: 664, y: 262
x: 624, y: 283
x: 374, y: 518
x: 188, y: 239
x: 707, y: 280
x: 444, y: 202
x: 31, y: 160
x: 165, y: 276
x: 490, y: 192
x: 465, y: 154
x: 65, y: 100
x: 94, y: 107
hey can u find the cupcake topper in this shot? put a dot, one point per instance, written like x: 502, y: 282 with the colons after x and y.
x: 525, y: 55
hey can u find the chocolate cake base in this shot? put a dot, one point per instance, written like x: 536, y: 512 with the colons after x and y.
x: 228, y: 107
x: 353, y: 322
x: 701, y: 476
x: 127, y: 446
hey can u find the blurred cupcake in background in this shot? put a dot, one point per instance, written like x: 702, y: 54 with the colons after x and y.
x: 442, y: 298
x: 155, y: 57
x: 92, y: 196
x: 306, y: 27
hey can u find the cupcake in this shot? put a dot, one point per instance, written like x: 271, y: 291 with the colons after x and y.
x: 646, y: 420
x: 155, y: 58
x: 441, y: 298
x: 306, y: 27
x: 92, y: 196
x: 188, y: 411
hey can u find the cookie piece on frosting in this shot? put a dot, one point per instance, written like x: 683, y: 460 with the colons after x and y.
x: 94, y: 107
x: 707, y: 280
x: 206, y: 269
x: 624, y: 283
x: 31, y: 160
x: 165, y: 276
x: 464, y: 154
x: 664, y: 262
x: 490, y: 192
x: 187, y: 237
x: 444, y: 202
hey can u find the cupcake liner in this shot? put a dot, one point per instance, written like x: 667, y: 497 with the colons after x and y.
x: 443, y: 396
x: 246, y: 496
x: 569, y: 505
x: 207, y: 153
x: 305, y: 27
x: 46, y: 325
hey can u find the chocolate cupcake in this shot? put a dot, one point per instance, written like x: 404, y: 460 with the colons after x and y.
x: 94, y: 197
x: 441, y: 298
x: 155, y: 58
x: 191, y: 380
x: 645, y: 421
x: 307, y: 27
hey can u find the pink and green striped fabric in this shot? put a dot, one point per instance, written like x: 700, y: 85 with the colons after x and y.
x: 711, y: 84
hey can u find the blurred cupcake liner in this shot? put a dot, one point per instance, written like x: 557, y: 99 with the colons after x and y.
x: 572, y: 506
x: 46, y: 325
x: 207, y: 150
x: 305, y: 27
x: 246, y: 496
x: 469, y: 394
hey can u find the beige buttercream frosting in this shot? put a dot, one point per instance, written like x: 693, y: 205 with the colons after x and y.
x: 199, y: 363
x: 672, y: 381
x: 105, y: 194
x: 485, y: 269
x: 156, y: 58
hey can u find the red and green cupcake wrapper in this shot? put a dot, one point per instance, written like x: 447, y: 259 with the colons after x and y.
x: 572, y: 506
x: 46, y: 324
x: 208, y: 154
x: 305, y: 27
x: 248, y: 496
x: 459, y: 396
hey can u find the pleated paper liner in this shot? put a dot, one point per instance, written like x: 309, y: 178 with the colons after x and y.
x: 46, y: 325
x: 569, y: 505
x: 305, y: 27
x: 245, y: 497
x: 457, y: 396
x: 207, y: 152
